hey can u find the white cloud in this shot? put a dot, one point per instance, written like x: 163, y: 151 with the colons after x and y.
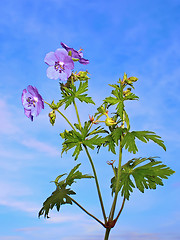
x: 11, y: 238
x: 58, y: 218
x: 10, y: 127
x: 11, y: 193
x: 7, y: 125
x: 40, y: 146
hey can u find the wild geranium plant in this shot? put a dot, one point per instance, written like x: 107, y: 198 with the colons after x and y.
x: 108, y: 127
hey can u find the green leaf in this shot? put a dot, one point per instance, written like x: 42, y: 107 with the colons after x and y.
x: 70, y: 93
x: 59, y: 197
x: 109, y: 141
x: 76, y: 174
x: 116, y: 99
x: 129, y: 140
x: 131, y: 96
x: 75, y: 139
x: 127, y: 120
x: 72, y: 139
x: 145, y: 176
x: 117, y: 133
x: 83, y: 87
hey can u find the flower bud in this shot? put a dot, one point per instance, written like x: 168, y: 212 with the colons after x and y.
x: 127, y: 92
x: 133, y: 79
x: 82, y: 76
x: 52, y: 117
x: 109, y: 122
x: 130, y: 80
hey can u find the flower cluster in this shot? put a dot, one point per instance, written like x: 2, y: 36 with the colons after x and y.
x: 61, y: 64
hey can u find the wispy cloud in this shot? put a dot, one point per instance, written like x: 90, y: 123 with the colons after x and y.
x: 10, y: 127
x: 10, y: 196
x: 40, y: 146
x: 11, y: 238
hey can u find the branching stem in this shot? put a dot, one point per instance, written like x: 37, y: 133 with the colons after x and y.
x: 87, y: 212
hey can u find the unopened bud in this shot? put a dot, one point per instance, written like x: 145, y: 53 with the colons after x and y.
x: 130, y: 80
x: 82, y: 75
x: 127, y: 92
x: 52, y: 117
x: 109, y: 122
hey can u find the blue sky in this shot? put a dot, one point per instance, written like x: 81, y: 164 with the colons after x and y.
x: 138, y: 37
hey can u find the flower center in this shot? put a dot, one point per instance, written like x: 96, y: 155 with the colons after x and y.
x: 31, y: 101
x: 59, y: 66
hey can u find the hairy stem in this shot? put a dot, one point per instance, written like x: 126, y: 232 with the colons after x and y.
x: 87, y: 212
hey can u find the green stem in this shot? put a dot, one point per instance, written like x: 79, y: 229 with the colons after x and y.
x: 106, y: 237
x: 111, y: 215
x: 122, y: 206
x: 77, y: 114
x: 97, y: 184
x: 61, y: 115
x: 87, y: 212
x: 93, y: 168
x: 65, y: 119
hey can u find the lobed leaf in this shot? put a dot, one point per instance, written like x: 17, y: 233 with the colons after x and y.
x: 59, y: 197
x: 129, y: 140
x: 146, y: 176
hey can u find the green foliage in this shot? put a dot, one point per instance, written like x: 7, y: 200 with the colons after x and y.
x: 146, y: 176
x: 72, y: 139
x: 70, y: 93
x: 82, y: 137
x: 131, y: 96
x: 72, y: 176
x: 129, y: 140
x: 61, y: 195
x: 117, y: 98
x: 56, y: 106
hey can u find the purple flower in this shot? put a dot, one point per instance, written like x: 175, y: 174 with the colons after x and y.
x: 60, y: 64
x: 32, y: 102
x: 75, y: 54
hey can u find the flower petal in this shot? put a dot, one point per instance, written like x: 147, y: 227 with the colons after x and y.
x: 64, y: 75
x: 50, y: 58
x: 23, y: 96
x: 84, y: 61
x: 68, y: 62
x: 65, y: 46
x: 61, y: 54
x: 40, y: 101
x: 32, y: 90
x: 28, y: 114
x: 74, y: 53
x: 52, y: 73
